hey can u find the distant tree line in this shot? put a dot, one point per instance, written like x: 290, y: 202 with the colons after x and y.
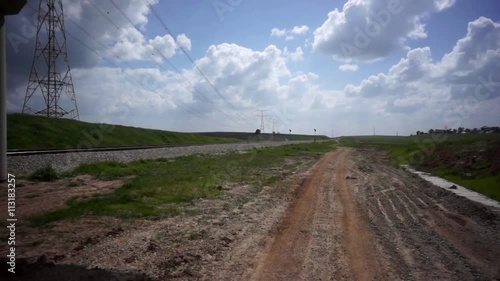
x: 462, y: 130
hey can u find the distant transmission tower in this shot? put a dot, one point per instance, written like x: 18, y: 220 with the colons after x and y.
x: 50, y: 76
x: 262, y: 120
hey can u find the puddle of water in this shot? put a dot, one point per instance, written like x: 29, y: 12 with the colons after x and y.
x: 460, y: 190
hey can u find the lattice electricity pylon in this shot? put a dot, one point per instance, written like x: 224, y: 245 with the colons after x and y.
x: 262, y: 120
x: 50, y: 73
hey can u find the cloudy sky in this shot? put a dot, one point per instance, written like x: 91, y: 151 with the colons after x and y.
x: 210, y: 65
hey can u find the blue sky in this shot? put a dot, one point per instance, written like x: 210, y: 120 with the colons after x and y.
x: 420, y: 69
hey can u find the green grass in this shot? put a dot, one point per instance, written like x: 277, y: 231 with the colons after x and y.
x: 484, y: 184
x: 251, y: 136
x: 294, y: 137
x: 423, y: 151
x: 44, y: 174
x: 156, y: 188
x: 407, y: 140
x: 33, y: 132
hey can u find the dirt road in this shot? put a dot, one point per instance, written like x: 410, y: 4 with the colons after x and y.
x: 323, y: 234
x: 357, y: 218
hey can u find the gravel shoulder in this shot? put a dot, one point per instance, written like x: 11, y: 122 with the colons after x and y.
x: 349, y: 216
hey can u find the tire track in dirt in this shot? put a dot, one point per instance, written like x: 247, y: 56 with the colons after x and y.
x: 453, y: 244
x: 320, y: 255
x: 458, y: 230
x: 323, y: 235
x: 402, y: 251
x: 285, y: 257
x: 361, y: 252
x: 433, y: 256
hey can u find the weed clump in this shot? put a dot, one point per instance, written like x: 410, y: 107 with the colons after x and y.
x: 46, y: 173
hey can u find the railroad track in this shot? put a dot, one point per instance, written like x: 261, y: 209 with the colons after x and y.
x: 25, y: 152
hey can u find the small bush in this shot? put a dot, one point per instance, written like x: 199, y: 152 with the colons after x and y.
x: 73, y: 184
x: 44, y: 174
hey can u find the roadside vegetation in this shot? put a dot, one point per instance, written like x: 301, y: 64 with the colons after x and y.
x: 36, y: 132
x: 263, y: 136
x: 46, y: 173
x: 470, y: 160
x: 158, y: 188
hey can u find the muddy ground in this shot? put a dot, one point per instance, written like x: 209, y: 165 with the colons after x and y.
x: 352, y: 216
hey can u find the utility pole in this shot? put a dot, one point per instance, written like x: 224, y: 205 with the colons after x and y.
x: 11, y: 7
x: 50, y: 72
x: 262, y: 119
x: 373, y: 130
x: 274, y: 121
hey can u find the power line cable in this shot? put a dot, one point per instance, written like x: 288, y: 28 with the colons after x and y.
x: 130, y: 66
x: 158, y: 18
x: 172, y: 65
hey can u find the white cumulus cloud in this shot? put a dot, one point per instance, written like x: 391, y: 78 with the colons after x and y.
x: 289, y: 33
x: 453, y: 90
x: 348, y: 67
x: 298, y: 55
x: 366, y: 30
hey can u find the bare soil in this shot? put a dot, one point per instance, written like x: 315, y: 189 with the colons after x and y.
x: 35, y: 198
x: 351, y: 216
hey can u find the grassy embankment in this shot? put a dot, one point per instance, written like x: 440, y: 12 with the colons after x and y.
x: 35, y: 132
x: 470, y: 160
x: 156, y: 188
x: 252, y: 136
